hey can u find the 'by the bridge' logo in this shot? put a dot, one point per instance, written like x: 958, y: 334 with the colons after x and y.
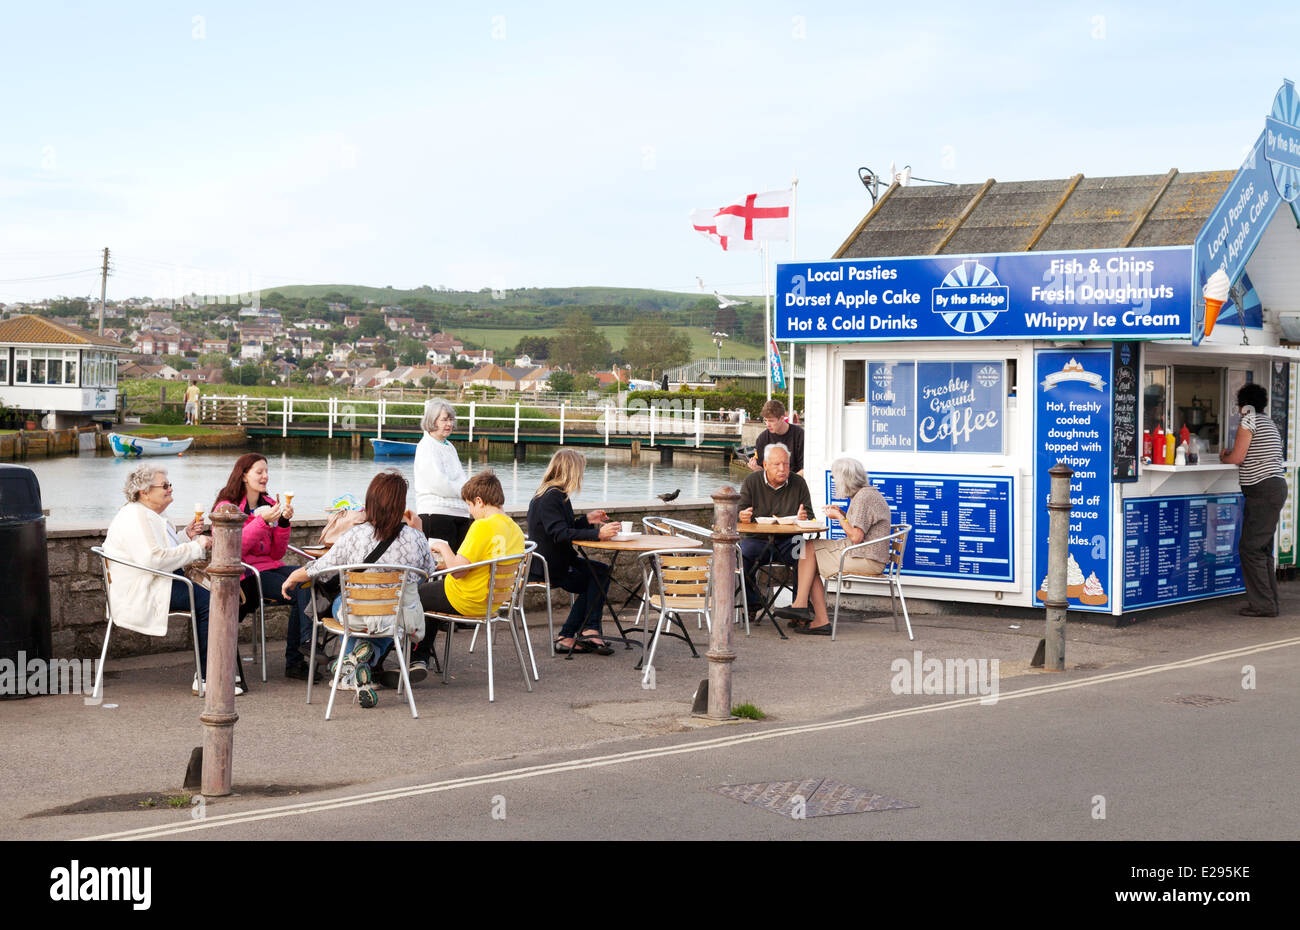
x: 970, y: 297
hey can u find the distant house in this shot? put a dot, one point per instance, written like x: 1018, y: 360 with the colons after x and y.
x: 312, y: 323
x: 204, y: 375
x: 63, y: 370
x: 336, y: 307
x: 617, y: 376
x: 342, y: 351
x: 370, y: 377
x: 251, y: 351
x: 400, y: 323
x: 215, y: 345
x: 489, y: 375
x: 475, y: 355
x: 351, y: 320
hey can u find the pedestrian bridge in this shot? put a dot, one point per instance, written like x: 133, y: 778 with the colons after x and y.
x: 664, y: 424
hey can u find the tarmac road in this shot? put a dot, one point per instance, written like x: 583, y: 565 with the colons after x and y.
x: 1075, y: 756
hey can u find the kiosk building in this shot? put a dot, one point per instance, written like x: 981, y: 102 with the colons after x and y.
x: 966, y: 338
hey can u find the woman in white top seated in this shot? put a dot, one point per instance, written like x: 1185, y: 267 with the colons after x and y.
x: 439, y: 477
x: 141, y: 601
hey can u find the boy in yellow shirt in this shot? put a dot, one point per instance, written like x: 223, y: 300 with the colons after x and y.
x: 491, y: 536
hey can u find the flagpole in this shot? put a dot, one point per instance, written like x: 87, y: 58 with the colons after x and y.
x: 767, y: 322
x: 794, y: 233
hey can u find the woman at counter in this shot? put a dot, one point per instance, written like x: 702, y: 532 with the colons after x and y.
x: 1257, y: 453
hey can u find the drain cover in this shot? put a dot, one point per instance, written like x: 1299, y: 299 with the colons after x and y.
x: 823, y: 797
x: 1200, y: 700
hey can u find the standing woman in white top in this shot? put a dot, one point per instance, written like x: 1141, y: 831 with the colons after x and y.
x: 439, y: 476
x: 1257, y: 452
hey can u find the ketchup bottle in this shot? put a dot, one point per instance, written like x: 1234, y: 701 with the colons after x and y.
x: 1146, y: 444
x: 1158, y: 452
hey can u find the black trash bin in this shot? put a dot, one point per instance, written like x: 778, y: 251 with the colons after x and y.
x: 24, y: 570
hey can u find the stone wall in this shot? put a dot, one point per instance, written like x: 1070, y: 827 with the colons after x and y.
x: 77, y: 590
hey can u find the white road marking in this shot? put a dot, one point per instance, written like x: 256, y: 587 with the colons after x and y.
x: 593, y: 762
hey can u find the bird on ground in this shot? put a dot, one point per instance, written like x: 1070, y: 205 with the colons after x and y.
x: 669, y: 498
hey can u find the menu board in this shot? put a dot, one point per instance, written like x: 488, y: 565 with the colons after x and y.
x: 1125, y: 365
x: 936, y: 406
x: 1072, y: 427
x: 961, y: 524
x: 1279, y: 401
x: 1181, y: 549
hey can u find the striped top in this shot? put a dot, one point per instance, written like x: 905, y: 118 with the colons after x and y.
x: 1264, y: 457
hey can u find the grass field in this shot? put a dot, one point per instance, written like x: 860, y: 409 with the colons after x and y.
x: 504, y: 340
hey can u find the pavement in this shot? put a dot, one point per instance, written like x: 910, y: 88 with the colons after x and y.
x: 72, y: 770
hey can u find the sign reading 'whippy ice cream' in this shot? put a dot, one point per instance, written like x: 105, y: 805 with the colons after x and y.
x: 1073, y: 426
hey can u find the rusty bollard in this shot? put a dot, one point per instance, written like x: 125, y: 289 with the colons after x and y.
x: 1058, y: 554
x: 726, y: 503
x: 219, y: 715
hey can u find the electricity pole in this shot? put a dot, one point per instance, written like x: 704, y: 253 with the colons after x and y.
x: 103, y: 291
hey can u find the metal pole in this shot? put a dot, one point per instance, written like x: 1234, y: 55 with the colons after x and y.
x: 1058, y: 551
x: 726, y: 506
x: 103, y: 291
x: 767, y: 324
x: 794, y: 240
x: 219, y: 715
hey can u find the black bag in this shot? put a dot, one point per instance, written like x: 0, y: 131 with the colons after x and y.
x: 325, y: 592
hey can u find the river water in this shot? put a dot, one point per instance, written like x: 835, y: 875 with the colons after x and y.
x: 87, y: 489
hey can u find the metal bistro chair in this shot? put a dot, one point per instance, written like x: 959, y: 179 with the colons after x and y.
x: 897, y: 539
x: 669, y: 526
x: 506, y: 579
x: 262, y: 604
x: 544, y: 584
x: 683, y: 584
x: 374, y: 594
x: 108, y: 615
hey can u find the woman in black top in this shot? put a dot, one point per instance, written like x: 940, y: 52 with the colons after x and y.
x: 553, y: 526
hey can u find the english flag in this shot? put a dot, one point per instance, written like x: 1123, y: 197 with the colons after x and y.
x: 704, y: 222
x: 756, y: 218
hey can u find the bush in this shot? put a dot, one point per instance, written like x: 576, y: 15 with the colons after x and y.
x: 749, y: 401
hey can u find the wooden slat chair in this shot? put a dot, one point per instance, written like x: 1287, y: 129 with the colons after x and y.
x: 106, y: 560
x: 705, y: 535
x: 891, y: 575
x: 373, y: 595
x: 681, y: 582
x: 507, y: 576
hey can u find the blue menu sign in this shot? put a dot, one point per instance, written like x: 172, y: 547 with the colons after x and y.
x: 1095, y: 294
x: 960, y: 406
x: 962, y: 525
x: 1073, y: 426
x: 891, y: 405
x: 1181, y: 549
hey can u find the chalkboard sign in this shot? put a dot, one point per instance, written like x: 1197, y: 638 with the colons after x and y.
x: 1125, y: 365
x: 1279, y: 401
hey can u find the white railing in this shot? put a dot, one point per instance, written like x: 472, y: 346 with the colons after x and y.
x: 657, y: 419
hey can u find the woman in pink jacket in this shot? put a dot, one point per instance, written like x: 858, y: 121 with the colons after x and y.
x: 266, y: 538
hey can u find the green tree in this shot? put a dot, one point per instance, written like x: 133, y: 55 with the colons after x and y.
x: 579, y: 346
x: 245, y: 374
x: 535, y: 347
x: 561, y: 382
x: 372, y: 324
x: 411, y: 352
x: 652, y: 346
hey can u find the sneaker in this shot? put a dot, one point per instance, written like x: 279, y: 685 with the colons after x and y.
x: 367, y: 696
x: 348, y: 677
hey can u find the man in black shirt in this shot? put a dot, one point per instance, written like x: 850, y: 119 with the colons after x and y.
x: 772, y: 492
x: 778, y: 430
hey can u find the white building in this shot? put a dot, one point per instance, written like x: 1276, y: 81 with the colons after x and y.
x: 48, y: 367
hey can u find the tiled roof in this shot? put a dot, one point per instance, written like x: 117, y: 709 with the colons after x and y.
x: 35, y: 330
x: 1020, y: 216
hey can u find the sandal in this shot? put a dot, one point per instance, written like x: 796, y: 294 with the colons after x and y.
x: 599, y: 648
x: 579, y: 647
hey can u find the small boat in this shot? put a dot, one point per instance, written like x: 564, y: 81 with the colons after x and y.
x: 389, y: 447
x: 134, y: 446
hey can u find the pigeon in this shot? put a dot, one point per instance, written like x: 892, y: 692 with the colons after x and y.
x: 669, y: 498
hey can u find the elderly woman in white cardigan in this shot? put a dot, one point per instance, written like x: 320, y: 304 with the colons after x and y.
x: 139, y: 534
x: 439, y: 477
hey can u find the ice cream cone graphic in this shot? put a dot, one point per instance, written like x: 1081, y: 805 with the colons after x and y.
x: 1215, y: 292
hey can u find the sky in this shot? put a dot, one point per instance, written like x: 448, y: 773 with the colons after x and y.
x: 223, y: 147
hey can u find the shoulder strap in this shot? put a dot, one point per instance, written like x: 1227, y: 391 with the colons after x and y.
x: 380, y: 549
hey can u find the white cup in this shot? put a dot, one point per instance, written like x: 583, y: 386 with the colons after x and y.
x: 626, y: 527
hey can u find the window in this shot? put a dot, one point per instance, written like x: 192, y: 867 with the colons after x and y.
x: 4, y: 366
